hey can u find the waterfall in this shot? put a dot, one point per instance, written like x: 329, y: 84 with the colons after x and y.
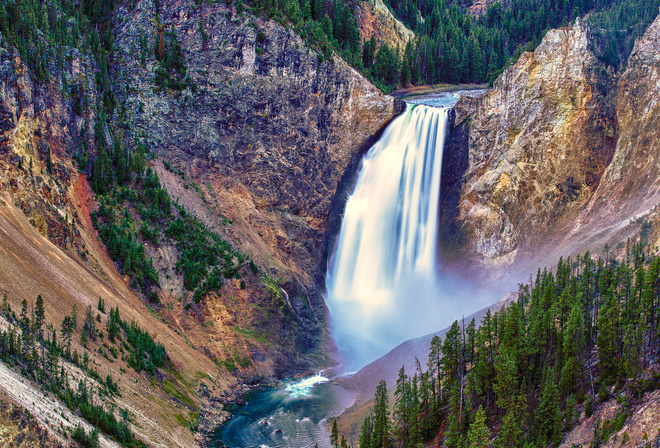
x: 382, y: 281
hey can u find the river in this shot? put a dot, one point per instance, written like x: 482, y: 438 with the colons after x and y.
x: 292, y: 415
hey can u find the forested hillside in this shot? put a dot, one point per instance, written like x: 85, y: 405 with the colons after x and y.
x: 454, y: 46
x: 32, y: 345
x: 134, y: 210
x: 574, y: 339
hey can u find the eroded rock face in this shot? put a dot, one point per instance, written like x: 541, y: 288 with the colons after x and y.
x: 560, y: 157
x: 375, y: 19
x: 631, y: 183
x: 40, y: 130
x: 529, y: 153
x: 267, y: 134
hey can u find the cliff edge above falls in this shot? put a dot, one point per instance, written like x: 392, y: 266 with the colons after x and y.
x: 529, y: 154
x: 270, y: 136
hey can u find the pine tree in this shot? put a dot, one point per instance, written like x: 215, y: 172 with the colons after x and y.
x: 404, y: 76
x: 39, y: 317
x: 478, y: 435
x: 24, y: 320
x: 306, y: 10
x: 89, y: 327
x: 547, y: 415
x: 5, y: 309
x: 569, y: 414
x: 434, y: 365
x: 402, y: 407
x: 511, y: 432
x: 67, y: 331
x: 452, y: 351
x: 454, y: 436
x: 366, y: 432
x: 572, y: 346
x: 334, y: 435
x: 381, y: 418
x: 113, y: 324
x: 608, y: 338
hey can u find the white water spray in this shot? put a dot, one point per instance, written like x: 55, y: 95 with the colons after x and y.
x: 382, y: 278
x: 303, y: 388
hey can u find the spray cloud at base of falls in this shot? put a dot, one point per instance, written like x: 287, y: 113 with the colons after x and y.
x: 382, y: 283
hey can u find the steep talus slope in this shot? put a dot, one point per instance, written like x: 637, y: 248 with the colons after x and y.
x: 640, y: 429
x: 531, y: 154
x: 32, y: 265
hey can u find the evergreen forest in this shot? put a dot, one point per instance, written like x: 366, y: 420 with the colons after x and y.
x: 573, y: 339
x: 453, y: 46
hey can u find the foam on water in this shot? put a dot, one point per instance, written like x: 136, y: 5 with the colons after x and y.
x: 303, y: 388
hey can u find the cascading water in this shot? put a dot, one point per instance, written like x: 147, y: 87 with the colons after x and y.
x: 382, y: 276
x: 382, y: 280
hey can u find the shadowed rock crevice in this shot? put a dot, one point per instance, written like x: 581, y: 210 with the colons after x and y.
x: 454, y: 165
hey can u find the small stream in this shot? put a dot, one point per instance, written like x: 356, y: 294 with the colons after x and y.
x: 289, y: 416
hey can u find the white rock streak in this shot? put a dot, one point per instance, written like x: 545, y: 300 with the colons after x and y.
x: 50, y: 412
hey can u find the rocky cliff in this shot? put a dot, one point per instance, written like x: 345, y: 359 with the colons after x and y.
x: 630, y: 186
x: 376, y: 19
x: 265, y: 131
x: 559, y: 150
x: 41, y: 128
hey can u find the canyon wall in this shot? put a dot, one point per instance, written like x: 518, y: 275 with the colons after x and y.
x: 555, y: 159
x: 266, y: 135
x: 261, y: 144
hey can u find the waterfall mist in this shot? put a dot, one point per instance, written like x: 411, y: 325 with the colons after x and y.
x: 383, y: 285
